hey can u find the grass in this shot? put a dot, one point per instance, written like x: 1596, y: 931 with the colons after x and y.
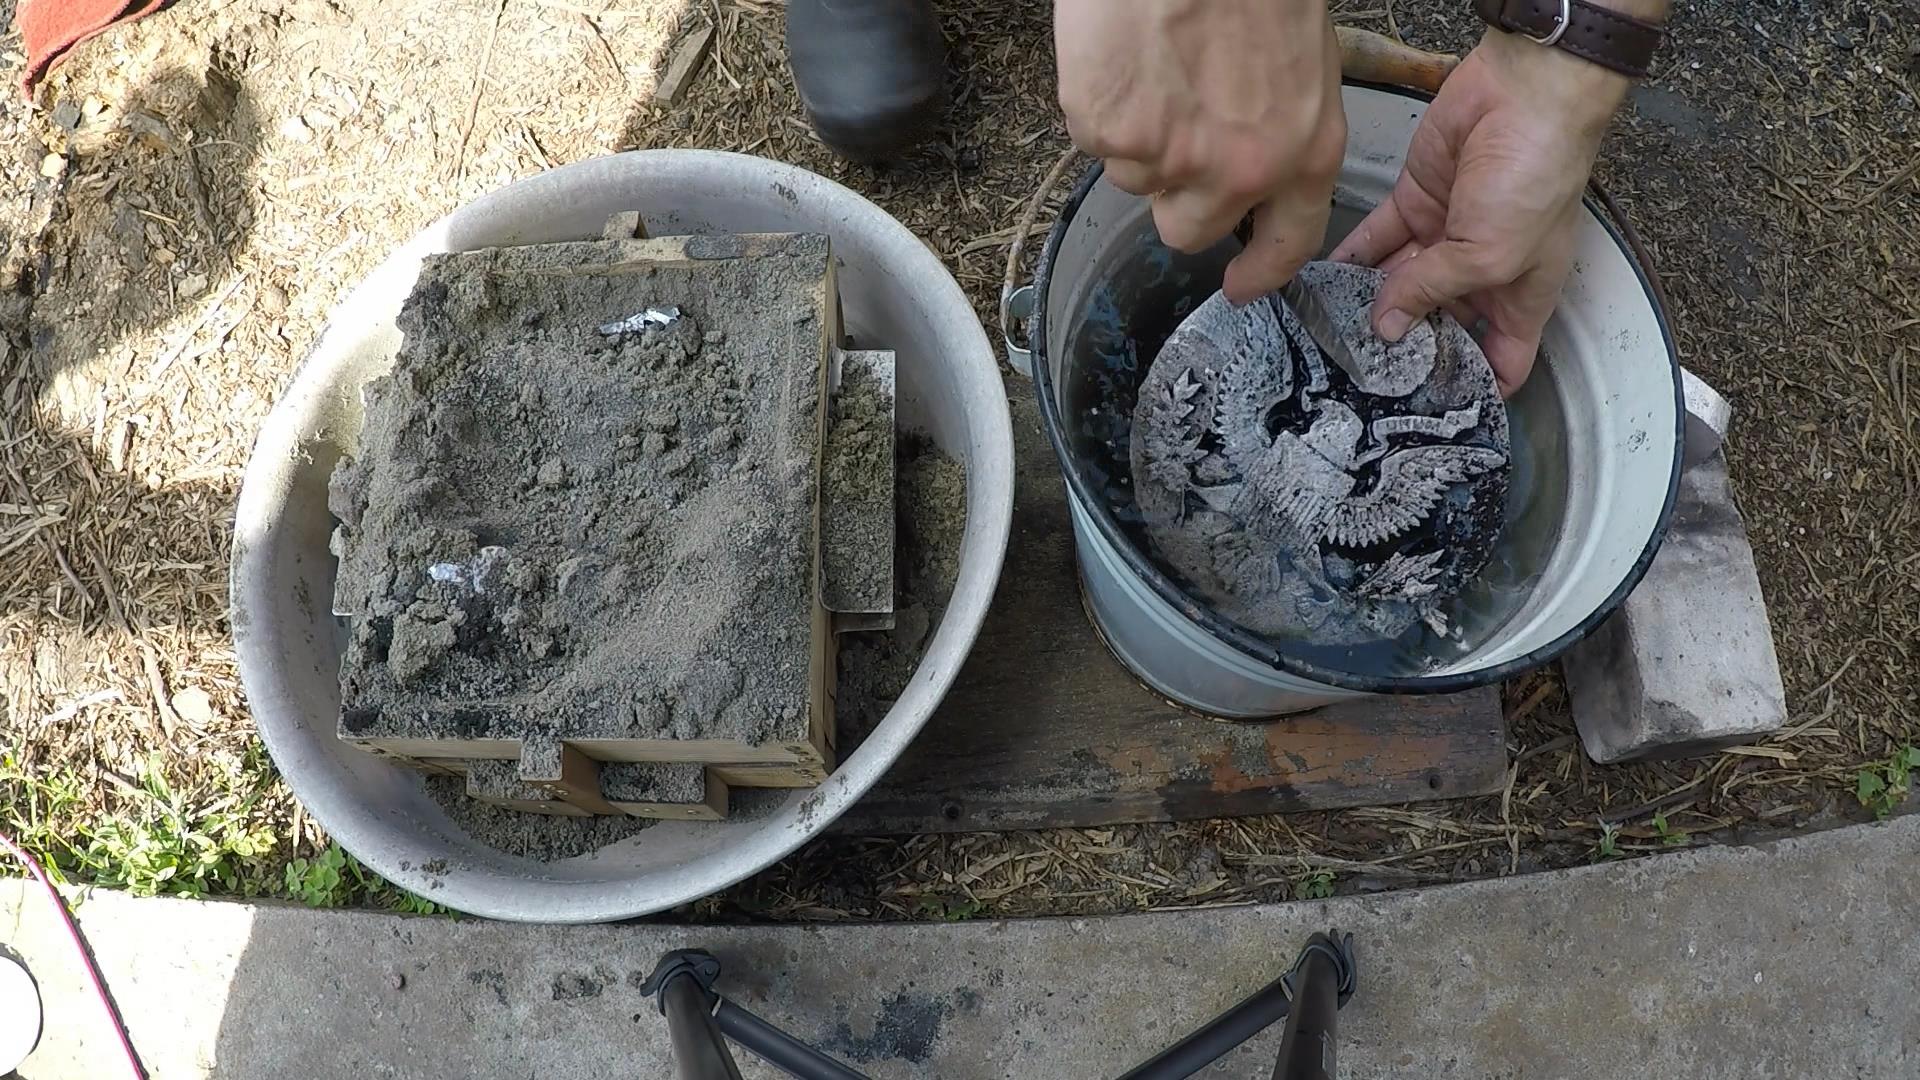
x: 175, y: 846
x: 171, y: 847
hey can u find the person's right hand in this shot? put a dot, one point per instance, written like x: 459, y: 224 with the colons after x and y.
x: 1482, y: 218
x: 1215, y: 108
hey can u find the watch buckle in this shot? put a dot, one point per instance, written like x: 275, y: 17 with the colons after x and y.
x: 1559, y: 26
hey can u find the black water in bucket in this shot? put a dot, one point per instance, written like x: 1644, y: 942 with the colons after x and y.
x: 1119, y: 329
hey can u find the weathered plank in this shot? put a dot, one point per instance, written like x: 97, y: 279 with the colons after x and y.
x: 1044, y: 728
x: 684, y: 66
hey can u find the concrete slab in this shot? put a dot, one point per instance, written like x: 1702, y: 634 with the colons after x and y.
x: 1686, y: 665
x: 1786, y: 960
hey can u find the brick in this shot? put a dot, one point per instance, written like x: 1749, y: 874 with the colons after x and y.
x: 1686, y: 666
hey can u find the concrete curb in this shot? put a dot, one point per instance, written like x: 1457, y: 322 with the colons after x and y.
x: 1796, y: 958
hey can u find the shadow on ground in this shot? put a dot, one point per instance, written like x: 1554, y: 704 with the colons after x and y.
x: 114, y: 519
x: 145, y: 221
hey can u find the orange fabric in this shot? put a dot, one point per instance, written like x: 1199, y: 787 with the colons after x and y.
x: 51, y: 28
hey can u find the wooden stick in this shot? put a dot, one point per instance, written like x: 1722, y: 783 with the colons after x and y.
x: 1376, y: 58
x: 479, y: 86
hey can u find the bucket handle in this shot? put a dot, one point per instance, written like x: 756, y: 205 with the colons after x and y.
x: 1016, y: 301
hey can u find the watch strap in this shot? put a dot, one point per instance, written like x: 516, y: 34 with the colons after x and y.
x: 1615, y: 41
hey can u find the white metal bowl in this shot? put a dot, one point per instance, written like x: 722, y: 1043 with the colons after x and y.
x: 896, y: 295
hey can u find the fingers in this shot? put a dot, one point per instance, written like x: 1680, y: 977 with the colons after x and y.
x: 1191, y: 218
x: 1286, y: 233
x: 1511, y: 356
x: 1132, y: 177
x: 1505, y: 318
x: 1397, y: 259
x: 1439, y: 275
x: 1379, y: 235
x: 1463, y: 312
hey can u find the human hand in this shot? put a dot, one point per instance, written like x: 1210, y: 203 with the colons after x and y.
x: 1215, y: 108
x: 1482, y: 218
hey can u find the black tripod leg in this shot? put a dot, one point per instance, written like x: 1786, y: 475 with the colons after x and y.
x: 699, y: 1050
x: 1307, y: 1050
x: 778, y: 1048
x: 700, y: 1022
x: 1214, y: 1039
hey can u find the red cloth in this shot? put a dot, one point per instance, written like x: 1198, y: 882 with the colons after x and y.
x: 51, y: 28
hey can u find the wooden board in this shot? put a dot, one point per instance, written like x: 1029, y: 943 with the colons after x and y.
x: 1045, y: 729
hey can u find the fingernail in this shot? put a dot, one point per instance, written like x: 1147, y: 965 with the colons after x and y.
x: 1394, y: 324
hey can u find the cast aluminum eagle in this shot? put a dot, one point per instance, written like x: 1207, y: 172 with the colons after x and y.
x: 1336, y: 499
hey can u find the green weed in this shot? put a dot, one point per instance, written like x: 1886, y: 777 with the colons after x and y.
x: 1609, y: 842
x: 334, y: 878
x: 950, y: 909
x: 321, y: 881
x: 170, y: 848
x: 1668, y: 835
x: 1882, y: 787
x: 160, y: 843
x: 409, y: 904
x: 31, y: 809
x: 1315, y: 886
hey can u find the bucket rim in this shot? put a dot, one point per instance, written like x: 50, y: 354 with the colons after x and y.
x: 1256, y: 647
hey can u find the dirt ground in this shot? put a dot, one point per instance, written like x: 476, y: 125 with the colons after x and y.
x: 191, y: 195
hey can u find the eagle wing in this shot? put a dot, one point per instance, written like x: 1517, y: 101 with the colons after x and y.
x: 1170, y: 438
x: 1291, y: 492
x: 1412, y: 482
x: 1249, y: 568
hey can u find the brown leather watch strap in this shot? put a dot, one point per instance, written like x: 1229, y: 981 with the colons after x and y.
x: 1615, y: 41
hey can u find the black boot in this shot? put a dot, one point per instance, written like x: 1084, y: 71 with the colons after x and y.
x: 872, y: 73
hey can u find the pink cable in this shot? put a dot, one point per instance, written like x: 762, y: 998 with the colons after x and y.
x: 80, y: 946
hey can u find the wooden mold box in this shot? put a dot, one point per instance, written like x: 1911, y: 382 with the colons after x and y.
x: 553, y: 778
x: 584, y: 513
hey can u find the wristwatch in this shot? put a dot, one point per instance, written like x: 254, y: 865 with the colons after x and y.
x: 1615, y: 41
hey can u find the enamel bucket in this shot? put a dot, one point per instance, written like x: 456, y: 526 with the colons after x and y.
x: 1612, y: 368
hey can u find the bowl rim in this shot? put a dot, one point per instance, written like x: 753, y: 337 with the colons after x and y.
x: 371, y: 833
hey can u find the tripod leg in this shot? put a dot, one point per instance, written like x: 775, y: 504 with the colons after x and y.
x: 1307, y: 1050
x: 699, y: 1050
